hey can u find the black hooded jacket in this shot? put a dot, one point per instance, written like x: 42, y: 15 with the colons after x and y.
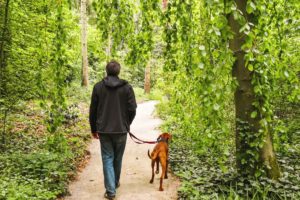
x: 113, y: 106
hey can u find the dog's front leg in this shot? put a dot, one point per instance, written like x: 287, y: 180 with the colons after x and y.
x: 152, y: 165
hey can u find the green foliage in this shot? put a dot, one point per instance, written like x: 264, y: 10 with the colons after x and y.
x: 129, y: 32
x: 40, y: 61
x: 142, y: 44
x: 58, y: 69
x: 38, y: 164
x: 46, y: 171
x: 35, y: 52
x: 141, y: 96
x: 202, y: 178
x: 198, y: 104
x: 267, y: 59
x: 115, y: 22
x: 187, y: 46
x: 196, y: 61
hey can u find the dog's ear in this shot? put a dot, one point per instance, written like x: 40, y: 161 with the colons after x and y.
x: 169, y: 136
x: 159, y: 137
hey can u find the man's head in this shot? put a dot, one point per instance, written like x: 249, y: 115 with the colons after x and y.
x: 113, y: 68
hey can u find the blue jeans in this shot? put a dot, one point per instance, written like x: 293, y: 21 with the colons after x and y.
x: 112, y: 150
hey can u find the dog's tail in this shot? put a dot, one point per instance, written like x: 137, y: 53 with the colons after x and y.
x: 153, y: 155
x: 149, y: 154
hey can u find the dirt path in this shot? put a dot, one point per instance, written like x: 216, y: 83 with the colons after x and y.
x: 136, y: 171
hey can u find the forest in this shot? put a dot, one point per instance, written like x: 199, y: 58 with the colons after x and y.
x: 225, y: 74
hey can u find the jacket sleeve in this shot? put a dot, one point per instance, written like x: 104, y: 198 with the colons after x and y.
x: 93, y: 110
x: 131, y: 105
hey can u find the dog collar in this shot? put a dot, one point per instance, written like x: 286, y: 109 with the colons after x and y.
x: 162, y: 140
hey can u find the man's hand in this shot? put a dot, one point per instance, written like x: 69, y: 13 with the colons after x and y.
x: 95, y: 135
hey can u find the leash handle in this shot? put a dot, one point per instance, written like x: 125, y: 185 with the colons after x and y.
x: 139, y: 141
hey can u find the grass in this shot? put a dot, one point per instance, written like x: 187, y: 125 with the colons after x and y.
x: 140, y: 95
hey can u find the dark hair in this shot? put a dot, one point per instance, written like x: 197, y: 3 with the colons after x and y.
x: 113, y: 68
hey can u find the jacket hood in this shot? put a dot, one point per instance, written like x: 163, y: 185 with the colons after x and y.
x: 113, y: 81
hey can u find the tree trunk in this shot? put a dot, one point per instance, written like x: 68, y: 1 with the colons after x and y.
x: 108, y: 50
x: 4, y: 45
x: 147, y: 83
x: 85, y: 75
x: 4, y: 37
x: 165, y: 4
x: 246, y: 126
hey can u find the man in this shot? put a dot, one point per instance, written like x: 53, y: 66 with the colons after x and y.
x: 112, y: 110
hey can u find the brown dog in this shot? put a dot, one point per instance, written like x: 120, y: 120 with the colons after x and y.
x: 160, y: 154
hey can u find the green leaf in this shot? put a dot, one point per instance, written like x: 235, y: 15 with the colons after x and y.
x: 202, y: 47
x: 250, y: 67
x: 245, y: 28
x: 250, y: 7
x: 216, y: 106
x: 217, y: 31
x: 201, y: 65
x: 243, y: 161
x: 257, y: 173
x: 254, y: 114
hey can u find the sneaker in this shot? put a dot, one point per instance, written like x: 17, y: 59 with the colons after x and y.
x: 109, y: 197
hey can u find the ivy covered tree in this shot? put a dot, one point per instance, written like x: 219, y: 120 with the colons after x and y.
x: 206, y: 52
x: 254, y: 146
x: 225, y: 60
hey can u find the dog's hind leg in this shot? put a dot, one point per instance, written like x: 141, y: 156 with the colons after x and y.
x: 152, y: 166
x: 166, y: 174
x: 167, y: 163
x: 163, y: 169
x: 157, y: 166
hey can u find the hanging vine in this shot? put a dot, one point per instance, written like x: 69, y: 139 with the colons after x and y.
x: 115, y: 23
x: 58, y: 69
x: 195, y: 58
x: 141, y: 44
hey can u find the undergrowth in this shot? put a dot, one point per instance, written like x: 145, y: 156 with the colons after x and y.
x: 35, y: 164
x: 203, y: 178
x: 208, y: 173
x: 140, y: 95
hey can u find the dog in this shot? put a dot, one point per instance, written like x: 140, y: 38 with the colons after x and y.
x: 160, y: 154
